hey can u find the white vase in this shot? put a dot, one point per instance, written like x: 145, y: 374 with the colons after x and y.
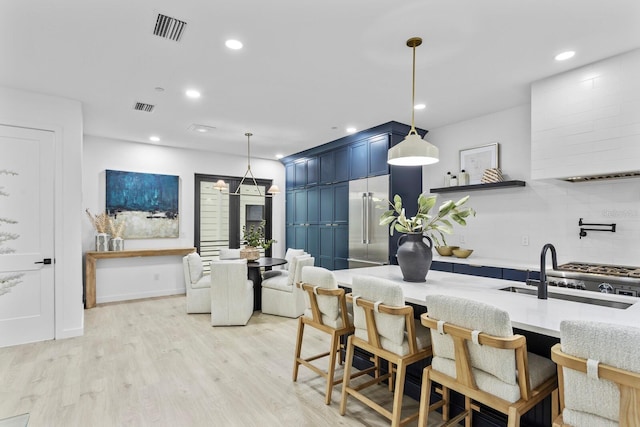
x: 116, y: 244
x: 102, y: 242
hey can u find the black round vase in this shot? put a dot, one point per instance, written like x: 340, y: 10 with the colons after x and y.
x: 414, y: 256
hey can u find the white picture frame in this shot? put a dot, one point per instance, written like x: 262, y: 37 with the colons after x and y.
x: 476, y: 160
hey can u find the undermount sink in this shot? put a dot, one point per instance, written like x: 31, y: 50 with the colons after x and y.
x: 575, y: 298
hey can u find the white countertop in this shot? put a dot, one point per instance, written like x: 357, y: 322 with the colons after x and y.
x: 527, y: 312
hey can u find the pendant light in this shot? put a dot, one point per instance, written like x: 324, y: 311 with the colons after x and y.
x: 221, y: 185
x: 413, y: 150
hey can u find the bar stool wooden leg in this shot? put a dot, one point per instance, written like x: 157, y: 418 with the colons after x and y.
x: 335, y: 343
x: 425, y: 399
x: 347, y: 375
x: 296, y: 357
x: 397, y: 395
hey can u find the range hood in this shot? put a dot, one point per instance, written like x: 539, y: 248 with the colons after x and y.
x: 602, y: 177
x: 585, y: 122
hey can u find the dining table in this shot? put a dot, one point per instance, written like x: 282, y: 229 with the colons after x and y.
x: 255, y: 275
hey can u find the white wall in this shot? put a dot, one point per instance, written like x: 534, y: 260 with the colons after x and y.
x: 64, y: 118
x: 144, y: 277
x: 545, y: 211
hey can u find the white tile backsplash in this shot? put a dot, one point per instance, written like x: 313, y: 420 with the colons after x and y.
x: 546, y: 210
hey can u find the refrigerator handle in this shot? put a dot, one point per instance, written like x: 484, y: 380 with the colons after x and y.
x: 369, y: 200
x: 363, y: 220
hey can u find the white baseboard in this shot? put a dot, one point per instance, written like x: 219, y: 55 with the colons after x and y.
x: 140, y: 295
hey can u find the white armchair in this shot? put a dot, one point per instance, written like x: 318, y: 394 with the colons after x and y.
x: 280, y: 295
x: 197, y: 284
x: 288, y: 256
x: 231, y: 293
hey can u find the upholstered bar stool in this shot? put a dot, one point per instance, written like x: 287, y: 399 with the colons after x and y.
x: 476, y: 354
x: 326, y: 310
x: 384, y: 327
x: 598, y: 375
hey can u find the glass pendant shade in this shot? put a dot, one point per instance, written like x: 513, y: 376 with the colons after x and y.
x: 413, y: 151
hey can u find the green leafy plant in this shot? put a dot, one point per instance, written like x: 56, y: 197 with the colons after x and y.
x: 435, y: 225
x: 254, y: 236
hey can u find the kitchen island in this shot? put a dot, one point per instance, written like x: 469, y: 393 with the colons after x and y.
x: 527, y: 312
x: 538, y: 320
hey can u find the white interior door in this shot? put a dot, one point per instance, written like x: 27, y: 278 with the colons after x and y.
x: 26, y: 235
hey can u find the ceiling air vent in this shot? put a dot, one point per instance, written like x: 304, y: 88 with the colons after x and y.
x: 169, y: 28
x: 141, y: 106
x: 619, y: 175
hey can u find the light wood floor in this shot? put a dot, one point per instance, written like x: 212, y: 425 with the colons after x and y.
x: 148, y: 363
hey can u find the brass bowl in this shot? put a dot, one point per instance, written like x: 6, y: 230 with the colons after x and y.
x: 446, y: 250
x: 462, y: 253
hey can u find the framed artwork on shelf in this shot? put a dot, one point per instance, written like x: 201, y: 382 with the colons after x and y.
x: 476, y: 160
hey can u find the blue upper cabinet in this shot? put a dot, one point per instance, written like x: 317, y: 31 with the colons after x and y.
x: 378, y: 147
x: 334, y: 166
x: 289, y: 170
x: 312, y: 171
x: 305, y: 173
x: 369, y: 157
x: 358, y: 159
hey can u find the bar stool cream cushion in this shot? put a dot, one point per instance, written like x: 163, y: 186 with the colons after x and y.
x: 329, y: 306
x: 596, y: 402
x: 494, y: 369
x: 391, y: 328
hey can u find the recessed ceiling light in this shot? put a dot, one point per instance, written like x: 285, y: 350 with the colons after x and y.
x: 192, y: 93
x: 154, y: 138
x: 351, y: 130
x: 233, y: 44
x: 419, y: 107
x: 565, y: 55
x: 279, y: 156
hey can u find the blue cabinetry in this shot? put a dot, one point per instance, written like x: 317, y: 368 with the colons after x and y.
x: 305, y: 173
x: 334, y: 166
x: 317, y: 211
x: 478, y: 270
x: 516, y: 275
x: 369, y: 157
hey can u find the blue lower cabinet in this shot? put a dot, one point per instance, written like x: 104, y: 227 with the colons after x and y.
x: 516, y: 275
x: 290, y: 238
x: 477, y: 270
x: 334, y: 246
x: 306, y: 237
x: 442, y: 266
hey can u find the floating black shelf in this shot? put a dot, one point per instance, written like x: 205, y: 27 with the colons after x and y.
x: 489, y: 186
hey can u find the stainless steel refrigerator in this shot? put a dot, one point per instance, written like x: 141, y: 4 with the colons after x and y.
x: 368, y: 241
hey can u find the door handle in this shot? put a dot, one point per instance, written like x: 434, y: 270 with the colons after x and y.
x: 45, y: 261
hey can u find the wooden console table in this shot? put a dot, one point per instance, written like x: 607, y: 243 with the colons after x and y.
x: 92, y: 256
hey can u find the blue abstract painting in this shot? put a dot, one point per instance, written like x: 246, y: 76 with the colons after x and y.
x: 147, y: 203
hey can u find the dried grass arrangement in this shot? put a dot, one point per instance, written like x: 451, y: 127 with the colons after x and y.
x: 116, y: 228
x: 100, y: 221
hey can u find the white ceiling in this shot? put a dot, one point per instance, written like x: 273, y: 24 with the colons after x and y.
x: 309, y: 69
